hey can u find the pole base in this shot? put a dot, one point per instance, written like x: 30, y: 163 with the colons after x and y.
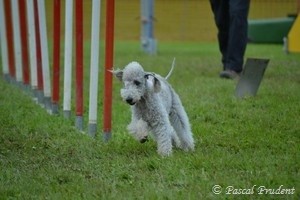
x: 67, y: 114
x: 20, y: 84
x: 92, y: 129
x: 106, y: 136
x: 27, y: 88
x: 35, y: 95
x: 79, y: 123
x: 6, y: 77
x: 55, y: 108
x: 48, y: 104
x: 40, y: 97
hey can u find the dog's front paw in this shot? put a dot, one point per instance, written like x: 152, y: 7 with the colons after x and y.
x: 165, y: 150
x: 139, y: 130
x: 164, y: 153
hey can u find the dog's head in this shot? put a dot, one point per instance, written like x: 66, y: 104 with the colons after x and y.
x: 137, y: 82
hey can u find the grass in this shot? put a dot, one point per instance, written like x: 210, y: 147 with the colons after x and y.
x: 239, y: 143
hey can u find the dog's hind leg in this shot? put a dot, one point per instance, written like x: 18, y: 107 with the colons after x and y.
x: 180, y: 123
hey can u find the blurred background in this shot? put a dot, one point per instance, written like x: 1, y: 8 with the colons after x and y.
x: 174, y: 20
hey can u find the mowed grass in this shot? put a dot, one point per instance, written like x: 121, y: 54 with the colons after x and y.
x: 244, y: 143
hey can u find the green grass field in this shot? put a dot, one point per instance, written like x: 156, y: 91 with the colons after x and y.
x: 241, y: 144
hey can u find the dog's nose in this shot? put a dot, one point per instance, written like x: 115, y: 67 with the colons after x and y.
x: 144, y: 139
x: 129, y: 100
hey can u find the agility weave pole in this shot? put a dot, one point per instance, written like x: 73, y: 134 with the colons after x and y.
x: 45, y: 55
x: 31, y: 50
x: 56, y: 56
x: 17, y: 42
x: 39, y: 95
x: 4, y: 51
x: 32, y: 47
x: 94, y: 67
x: 109, y: 56
x: 9, y: 39
x: 79, y: 63
x: 24, y: 45
x: 68, y: 58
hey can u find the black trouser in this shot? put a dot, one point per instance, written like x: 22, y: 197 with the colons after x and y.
x: 231, y: 20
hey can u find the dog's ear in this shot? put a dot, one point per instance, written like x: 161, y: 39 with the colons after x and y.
x: 157, y: 85
x: 152, y: 82
x: 117, y: 73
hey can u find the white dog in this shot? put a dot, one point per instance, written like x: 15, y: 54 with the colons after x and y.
x: 156, y: 108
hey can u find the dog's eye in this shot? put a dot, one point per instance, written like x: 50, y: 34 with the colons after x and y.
x: 137, y: 83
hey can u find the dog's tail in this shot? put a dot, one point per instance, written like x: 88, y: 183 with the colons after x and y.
x: 171, y: 70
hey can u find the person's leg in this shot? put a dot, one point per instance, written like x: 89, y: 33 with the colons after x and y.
x: 237, y: 40
x: 220, y: 9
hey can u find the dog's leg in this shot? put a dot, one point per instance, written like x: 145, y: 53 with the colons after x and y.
x: 175, y: 140
x: 163, y: 132
x: 180, y: 122
x: 138, y: 128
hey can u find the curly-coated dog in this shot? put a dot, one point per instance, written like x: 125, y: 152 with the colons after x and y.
x: 156, y: 109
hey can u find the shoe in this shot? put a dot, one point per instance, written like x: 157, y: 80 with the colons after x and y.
x: 229, y: 74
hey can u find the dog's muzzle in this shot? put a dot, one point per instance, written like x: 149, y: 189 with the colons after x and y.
x: 130, y: 101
